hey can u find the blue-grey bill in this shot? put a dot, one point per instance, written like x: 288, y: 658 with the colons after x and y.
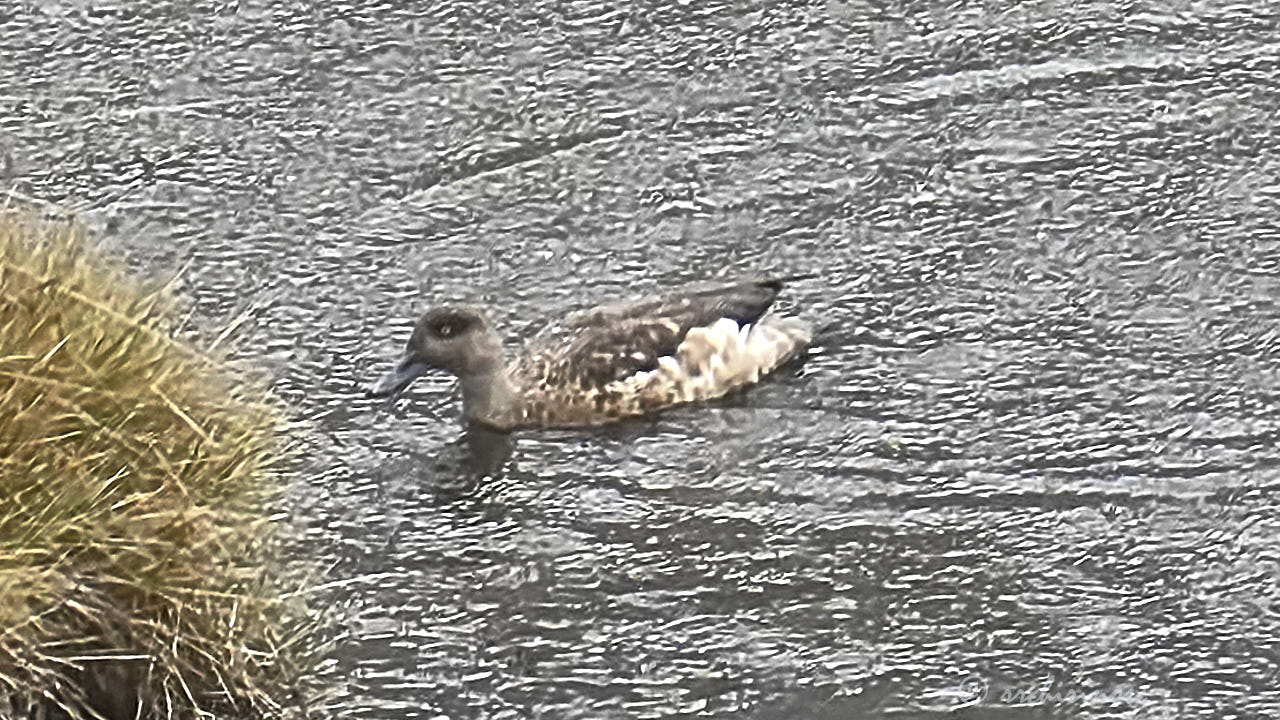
x: 398, y: 378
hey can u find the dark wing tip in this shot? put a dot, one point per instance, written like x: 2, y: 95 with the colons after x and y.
x: 775, y: 282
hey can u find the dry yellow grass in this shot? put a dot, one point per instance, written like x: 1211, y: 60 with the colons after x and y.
x: 136, y: 474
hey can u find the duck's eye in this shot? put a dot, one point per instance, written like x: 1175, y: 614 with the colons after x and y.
x: 446, y: 330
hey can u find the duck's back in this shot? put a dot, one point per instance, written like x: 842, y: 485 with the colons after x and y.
x: 643, y: 355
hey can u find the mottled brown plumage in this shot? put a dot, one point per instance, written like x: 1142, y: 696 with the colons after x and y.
x: 609, y: 362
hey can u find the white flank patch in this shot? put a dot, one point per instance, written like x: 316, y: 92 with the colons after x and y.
x: 721, y: 357
x: 669, y: 365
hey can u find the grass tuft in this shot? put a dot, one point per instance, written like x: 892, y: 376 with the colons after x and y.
x: 137, y: 474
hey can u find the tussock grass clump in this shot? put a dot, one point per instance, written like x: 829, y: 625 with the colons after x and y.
x: 136, y: 471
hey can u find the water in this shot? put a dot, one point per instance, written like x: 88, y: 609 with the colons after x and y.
x: 1028, y: 471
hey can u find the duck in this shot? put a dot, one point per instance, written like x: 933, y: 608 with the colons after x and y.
x: 619, y: 360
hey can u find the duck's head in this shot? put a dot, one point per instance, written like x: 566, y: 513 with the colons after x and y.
x: 455, y: 338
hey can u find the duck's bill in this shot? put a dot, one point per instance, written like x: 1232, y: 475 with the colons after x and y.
x: 398, y: 378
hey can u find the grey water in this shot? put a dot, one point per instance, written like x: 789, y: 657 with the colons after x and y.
x: 1028, y: 470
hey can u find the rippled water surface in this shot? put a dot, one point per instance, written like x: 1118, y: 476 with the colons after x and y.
x: 1029, y: 469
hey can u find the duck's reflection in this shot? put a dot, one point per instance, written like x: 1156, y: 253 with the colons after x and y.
x: 463, y: 468
x: 487, y: 450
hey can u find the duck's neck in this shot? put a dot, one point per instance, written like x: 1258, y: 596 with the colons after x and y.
x: 489, y: 397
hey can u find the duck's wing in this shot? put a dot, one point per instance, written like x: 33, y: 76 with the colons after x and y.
x: 596, y: 347
x: 743, y: 301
